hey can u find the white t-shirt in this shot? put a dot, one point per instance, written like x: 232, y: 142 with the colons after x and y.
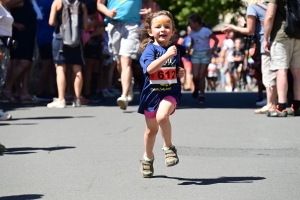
x: 212, y: 70
x: 6, y: 21
x: 228, y: 45
x: 201, y: 39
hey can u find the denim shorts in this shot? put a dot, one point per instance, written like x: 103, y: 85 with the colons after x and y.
x: 200, y: 57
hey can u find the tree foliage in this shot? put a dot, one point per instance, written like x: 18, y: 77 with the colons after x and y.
x: 209, y: 10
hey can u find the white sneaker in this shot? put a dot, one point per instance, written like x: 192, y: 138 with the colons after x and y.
x: 122, y: 102
x: 56, y: 103
x: 4, y: 116
x: 76, y: 103
x: 262, y: 103
x: 130, y: 93
x: 228, y: 88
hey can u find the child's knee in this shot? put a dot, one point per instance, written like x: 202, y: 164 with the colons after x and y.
x: 162, y: 117
x: 152, y: 131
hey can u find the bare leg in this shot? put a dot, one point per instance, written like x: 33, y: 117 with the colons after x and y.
x: 296, y: 77
x: 87, y: 75
x: 162, y: 117
x: 282, y: 85
x: 78, y: 82
x: 202, y: 73
x: 126, y: 74
x: 61, y: 81
x: 150, y: 136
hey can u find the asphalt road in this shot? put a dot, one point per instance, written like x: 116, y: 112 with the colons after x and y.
x: 93, y: 152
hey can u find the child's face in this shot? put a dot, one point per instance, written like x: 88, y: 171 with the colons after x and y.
x: 238, y: 44
x: 161, y: 29
x: 193, y: 25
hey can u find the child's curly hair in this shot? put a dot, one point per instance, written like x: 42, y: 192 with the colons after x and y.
x: 145, y: 37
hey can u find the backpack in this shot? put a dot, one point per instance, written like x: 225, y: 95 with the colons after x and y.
x: 292, y: 17
x: 70, y: 27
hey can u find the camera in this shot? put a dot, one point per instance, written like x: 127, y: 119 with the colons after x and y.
x: 8, y: 42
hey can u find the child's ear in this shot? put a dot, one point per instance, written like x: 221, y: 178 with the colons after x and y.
x: 149, y: 33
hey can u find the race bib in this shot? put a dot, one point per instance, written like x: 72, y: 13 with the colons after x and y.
x: 166, y: 75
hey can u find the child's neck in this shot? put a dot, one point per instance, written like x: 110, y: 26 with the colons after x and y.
x: 162, y: 44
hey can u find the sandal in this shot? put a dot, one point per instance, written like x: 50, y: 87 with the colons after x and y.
x: 171, y: 157
x: 262, y: 110
x: 7, y: 95
x: 147, y: 169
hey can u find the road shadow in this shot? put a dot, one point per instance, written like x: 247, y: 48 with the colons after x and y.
x: 18, y: 124
x: 22, y: 197
x: 212, y: 181
x: 50, y: 117
x: 31, y: 150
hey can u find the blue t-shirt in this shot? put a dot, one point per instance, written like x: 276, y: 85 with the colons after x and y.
x: 259, y: 13
x: 127, y: 10
x: 44, y: 33
x: 152, y: 94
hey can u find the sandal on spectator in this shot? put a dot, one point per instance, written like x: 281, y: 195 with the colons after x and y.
x: 7, y: 95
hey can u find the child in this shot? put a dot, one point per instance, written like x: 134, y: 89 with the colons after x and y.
x: 162, y: 89
x: 202, y: 52
x: 238, y: 57
x: 212, y: 74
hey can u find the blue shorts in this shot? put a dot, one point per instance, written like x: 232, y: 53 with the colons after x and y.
x: 200, y: 57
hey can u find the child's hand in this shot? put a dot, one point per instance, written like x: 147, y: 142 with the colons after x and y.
x: 172, y: 51
x: 113, y: 13
x: 181, y: 72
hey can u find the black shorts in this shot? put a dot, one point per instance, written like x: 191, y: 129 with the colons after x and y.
x: 63, y: 54
x: 45, y: 52
x: 93, y: 49
x: 212, y: 78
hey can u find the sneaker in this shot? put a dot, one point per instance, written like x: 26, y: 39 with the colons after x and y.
x: 171, y: 157
x: 130, y: 93
x: 262, y: 102
x: 195, y: 94
x: 277, y: 113
x: 43, y: 97
x: 106, y: 93
x: 147, y: 169
x: 201, y: 99
x: 84, y: 100
x: 228, y: 88
x: 96, y: 98
x: 69, y: 98
x: 2, y: 148
x: 4, y: 116
x: 122, y: 102
x: 56, y: 103
x: 76, y: 103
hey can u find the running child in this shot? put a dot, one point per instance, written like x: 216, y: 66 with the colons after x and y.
x: 162, y: 88
x: 201, y: 54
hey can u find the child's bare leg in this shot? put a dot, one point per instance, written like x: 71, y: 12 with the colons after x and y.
x: 150, y: 136
x: 162, y: 116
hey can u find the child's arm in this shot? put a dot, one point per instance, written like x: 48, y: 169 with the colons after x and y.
x: 102, y: 8
x: 158, y: 63
x: 213, y: 37
x: 85, y: 18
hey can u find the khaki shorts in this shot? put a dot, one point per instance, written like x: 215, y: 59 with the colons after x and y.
x: 123, y: 39
x: 285, y: 54
x: 268, y: 75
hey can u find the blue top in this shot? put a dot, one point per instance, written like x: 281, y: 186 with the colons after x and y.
x: 259, y: 13
x: 127, y: 10
x: 187, y: 41
x: 152, y: 94
x: 44, y: 33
